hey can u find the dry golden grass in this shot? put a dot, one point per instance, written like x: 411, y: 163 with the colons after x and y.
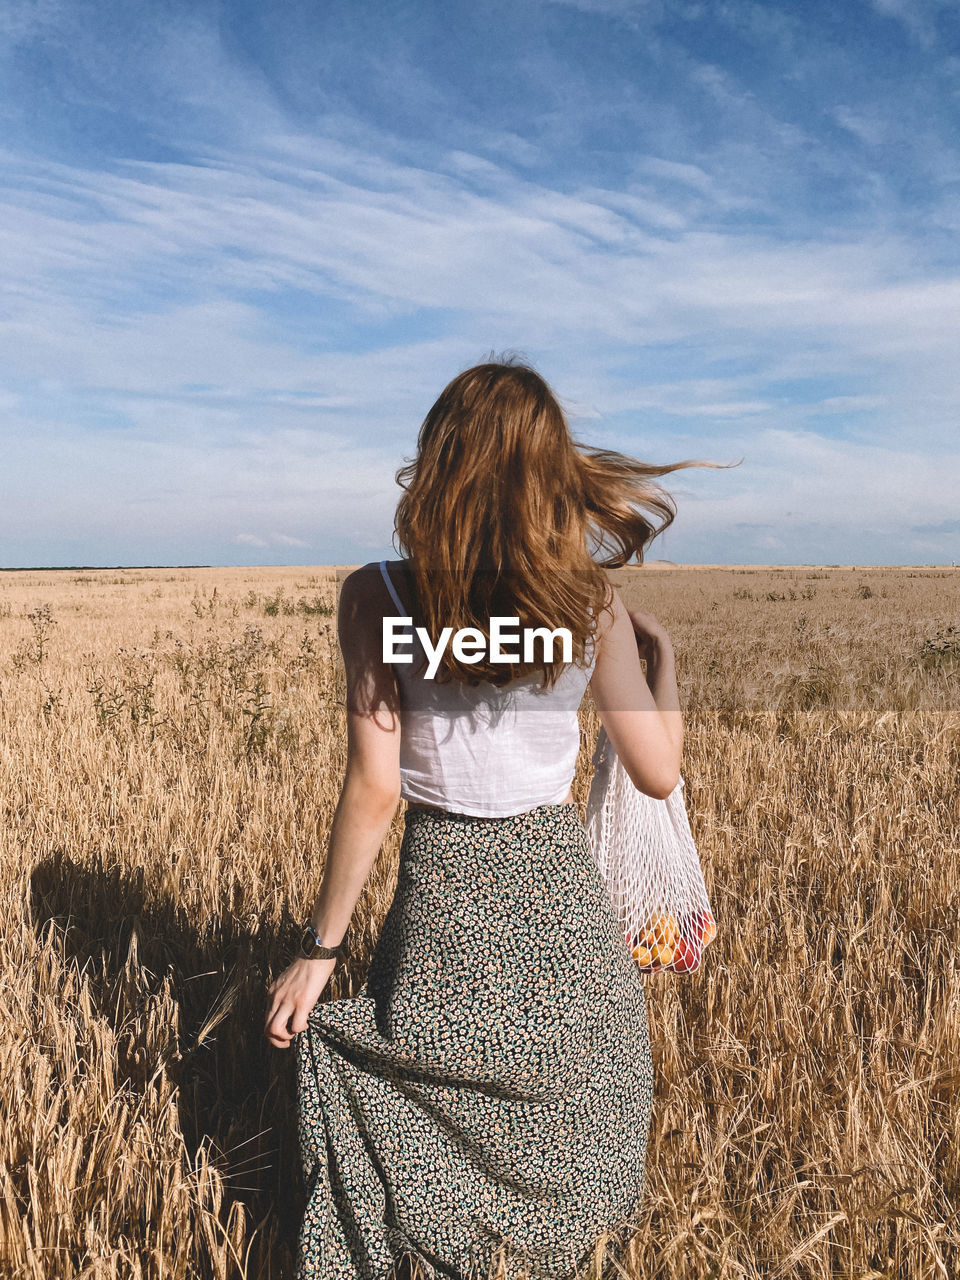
x: 171, y: 746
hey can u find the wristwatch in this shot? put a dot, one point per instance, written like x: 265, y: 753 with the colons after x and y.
x: 312, y: 948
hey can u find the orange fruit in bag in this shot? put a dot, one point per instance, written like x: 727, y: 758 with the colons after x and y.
x: 686, y: 958
x: 661, y: 935
x: 703, y: 927
x: 643, y: 956
x: 662, y: 928
x: 666, y: 953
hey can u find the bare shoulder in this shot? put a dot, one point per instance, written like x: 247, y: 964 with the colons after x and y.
x: 363, y: 591
x: 370, y: 680
x: 362, y: 582
x: 360, y: 607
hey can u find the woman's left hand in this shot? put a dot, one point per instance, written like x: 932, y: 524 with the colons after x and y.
x: 293, y: 995
x: 651, y: 634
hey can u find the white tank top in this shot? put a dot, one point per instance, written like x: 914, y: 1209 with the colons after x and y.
x: 486, y: 750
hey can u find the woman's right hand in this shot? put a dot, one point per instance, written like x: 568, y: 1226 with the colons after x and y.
x: 292, y: 997
x: 651, y: 635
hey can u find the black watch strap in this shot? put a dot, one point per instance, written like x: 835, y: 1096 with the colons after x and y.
x: 311, y: 947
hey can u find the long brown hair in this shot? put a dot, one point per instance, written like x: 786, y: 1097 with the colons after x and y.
x: 497, y: 509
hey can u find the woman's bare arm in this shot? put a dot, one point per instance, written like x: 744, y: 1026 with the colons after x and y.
x: 368, y: 799
x: 641, y: 713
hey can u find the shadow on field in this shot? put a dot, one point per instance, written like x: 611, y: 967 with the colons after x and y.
x: 187, y: 1011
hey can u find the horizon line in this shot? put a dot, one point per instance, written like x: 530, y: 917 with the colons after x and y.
x: 649, y: 564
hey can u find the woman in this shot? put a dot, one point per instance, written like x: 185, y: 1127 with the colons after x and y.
x: 490, y: 1086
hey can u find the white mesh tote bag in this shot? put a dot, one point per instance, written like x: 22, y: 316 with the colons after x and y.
x: 649, y: 862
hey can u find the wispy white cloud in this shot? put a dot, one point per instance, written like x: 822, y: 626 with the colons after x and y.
x: 813, y: 493
x: 568, y: 267
x: 269, y: 540
x: 633, y: 11
x: 423, y: 242
x: 918, y: 16
x: 873, y: 130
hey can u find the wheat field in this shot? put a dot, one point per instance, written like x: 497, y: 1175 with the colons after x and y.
x: 171, y: 748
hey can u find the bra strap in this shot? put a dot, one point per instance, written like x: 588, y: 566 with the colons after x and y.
x: 393, y: 591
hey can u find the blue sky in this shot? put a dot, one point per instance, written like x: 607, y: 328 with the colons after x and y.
x: 244, y: 246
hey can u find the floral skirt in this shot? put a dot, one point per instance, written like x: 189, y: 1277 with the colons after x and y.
x: 490, y: 1085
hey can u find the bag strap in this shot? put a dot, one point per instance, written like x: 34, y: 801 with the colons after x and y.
x: 402, y: 612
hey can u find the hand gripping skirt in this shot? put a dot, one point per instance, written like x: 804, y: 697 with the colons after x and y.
x: 490, y: 1086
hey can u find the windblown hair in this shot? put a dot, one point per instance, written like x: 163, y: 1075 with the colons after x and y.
x: 498, y: 508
